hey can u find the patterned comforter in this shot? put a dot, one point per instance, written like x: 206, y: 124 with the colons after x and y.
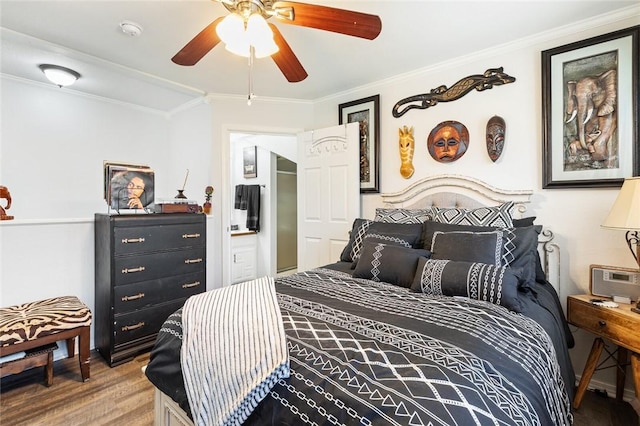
x: 362, y: 352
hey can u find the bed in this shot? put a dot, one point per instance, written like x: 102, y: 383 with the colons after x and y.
x: 440, y: 311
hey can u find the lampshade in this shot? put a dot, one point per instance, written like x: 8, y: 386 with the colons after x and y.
x: 58, y: 75
x: 625, y: 213
x: 238, y: 39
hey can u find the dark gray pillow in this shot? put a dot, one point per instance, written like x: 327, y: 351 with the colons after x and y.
x: 403, y: 234
x: 498, y: 216
x: 358, y: 229
x: 479, y: 281
x: 403, y: 215
x: 520, y: 246
x: 482, y: 247
x: 391, y: 264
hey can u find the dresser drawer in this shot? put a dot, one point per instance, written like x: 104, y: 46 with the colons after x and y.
x: 610, y: 323
x: 128, y: 298
x: 143, y: 322
x: 144, y: 267
x: 128, y: 240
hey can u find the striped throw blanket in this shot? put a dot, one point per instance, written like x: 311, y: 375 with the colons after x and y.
x: 233, y: 351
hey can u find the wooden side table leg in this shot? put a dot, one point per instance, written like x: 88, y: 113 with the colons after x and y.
x: 589, y: 368
x: 83, y: 349
x: 635, y: 371
x: 621, y: 372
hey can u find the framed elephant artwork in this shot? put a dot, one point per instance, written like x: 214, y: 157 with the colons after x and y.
x: 590, y: 111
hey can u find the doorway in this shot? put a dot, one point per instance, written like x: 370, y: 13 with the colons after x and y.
x: 286, y: 215
x: 276, y: 156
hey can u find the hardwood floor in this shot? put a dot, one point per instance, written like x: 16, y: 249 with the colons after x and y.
x: 113, y: 396
x: 123, y: 396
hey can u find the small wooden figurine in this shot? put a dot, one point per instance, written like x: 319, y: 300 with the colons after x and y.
x: 5, y: 195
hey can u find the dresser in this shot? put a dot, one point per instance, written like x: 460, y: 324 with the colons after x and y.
x: 146, y: 266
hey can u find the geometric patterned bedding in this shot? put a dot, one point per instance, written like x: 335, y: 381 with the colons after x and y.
x: 372, y: 353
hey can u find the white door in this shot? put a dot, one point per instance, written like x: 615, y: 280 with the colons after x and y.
x: 328, y: 192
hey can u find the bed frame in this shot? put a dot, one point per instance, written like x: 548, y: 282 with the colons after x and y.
x: 466, y: 192
x: 440, y: 191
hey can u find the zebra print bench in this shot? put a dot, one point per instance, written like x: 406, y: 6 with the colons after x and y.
x: 34, y: 327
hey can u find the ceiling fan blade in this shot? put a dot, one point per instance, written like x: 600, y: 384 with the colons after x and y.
x: 199, y: 46
x: 341, y: 21
x: 285, y: 59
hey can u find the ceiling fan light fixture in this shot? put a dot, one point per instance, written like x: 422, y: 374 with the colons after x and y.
x: 59, y: 75
x: 238, y: 37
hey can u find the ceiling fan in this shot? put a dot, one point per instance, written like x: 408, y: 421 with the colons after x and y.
x: 340, y: 21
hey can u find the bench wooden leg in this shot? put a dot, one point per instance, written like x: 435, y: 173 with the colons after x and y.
x: 71, y: 347
x: 48, y: 370
x: 84, y: 353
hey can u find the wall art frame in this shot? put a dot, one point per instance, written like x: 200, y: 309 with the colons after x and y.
x: 600, y: 149
x: 250, y: 162
x: 366, y: 111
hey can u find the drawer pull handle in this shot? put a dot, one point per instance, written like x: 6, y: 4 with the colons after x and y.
x: 196, y: 235
x: 130, y: 270
x: 602, y: 323
x: 132, y: 240
x: 133, y: 327
x: 189, y: 285
x: 134, y: 297
x: 190, y: 261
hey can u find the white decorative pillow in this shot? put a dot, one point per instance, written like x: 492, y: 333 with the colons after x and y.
x: 403, y: 215
x: 498, y: 216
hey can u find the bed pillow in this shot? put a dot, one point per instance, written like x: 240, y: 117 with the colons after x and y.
x: 479, y: 281
x: 482, y: 247
x: 403, y: 215
x: 520, y: 246
x: 358, y: 229
x: 391, y: 264
x: 402, y: 234
x: 523, y: 222
x: 498, y: 216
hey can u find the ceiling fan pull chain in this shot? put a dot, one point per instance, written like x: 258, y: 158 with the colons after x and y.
x: 251, y: 56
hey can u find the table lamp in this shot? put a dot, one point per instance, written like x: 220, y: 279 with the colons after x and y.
x: 625, y: 214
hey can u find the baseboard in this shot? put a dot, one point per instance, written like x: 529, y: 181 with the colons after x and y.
x: 628, y: 394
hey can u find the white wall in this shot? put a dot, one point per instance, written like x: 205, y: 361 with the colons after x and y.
x: 54, y: 142
x: 574, y: 215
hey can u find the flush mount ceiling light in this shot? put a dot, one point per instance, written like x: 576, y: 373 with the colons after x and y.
x: 130, y: 28
x: 58, y: 75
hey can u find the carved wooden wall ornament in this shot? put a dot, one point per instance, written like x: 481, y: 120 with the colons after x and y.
x: 491, y: 77
x: 448, y: 141
x: 495, y: 137
x: 407, y: 146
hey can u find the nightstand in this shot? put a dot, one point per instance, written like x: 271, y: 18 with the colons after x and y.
x: 619, y: 325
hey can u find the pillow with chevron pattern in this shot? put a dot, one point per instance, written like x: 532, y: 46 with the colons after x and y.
x: 498, y: 216
x: 388, y: 263
x: 479, y: 281
x: 403, y: 215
